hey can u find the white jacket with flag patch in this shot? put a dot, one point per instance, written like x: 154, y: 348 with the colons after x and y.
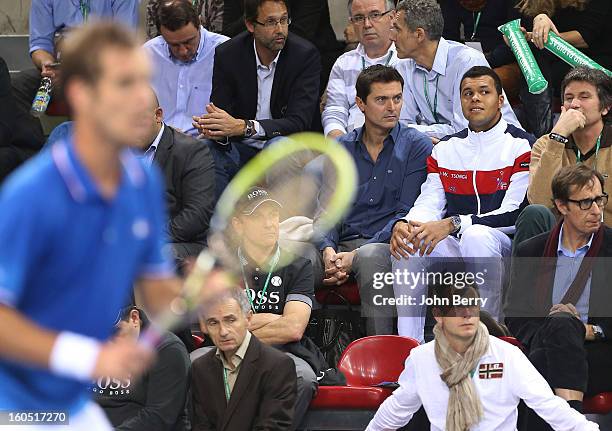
x: 480, y: 176
x: 502, y: 378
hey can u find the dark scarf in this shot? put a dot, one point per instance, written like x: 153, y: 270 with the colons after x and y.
x: 547, y: 276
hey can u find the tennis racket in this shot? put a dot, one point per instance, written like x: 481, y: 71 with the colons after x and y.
x: 309, y: 175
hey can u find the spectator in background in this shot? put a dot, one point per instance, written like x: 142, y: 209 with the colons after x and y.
x: 189, y: 174
x: 559, y: 301
x: 48, y: 20
x: 10, y: 156
x: 469, y: 203
x: 581, y: 23
x: 433, y: 71
x: 183, y: 59
x: 265, y: 86
x: 391, y: 165
x: 480, y: 20
x: 243, y: 384
x: 157, y: 400
x: 310, y: 19
x: 372, y: 23
x: 581, y: 135
x: 280, y: 296
x: 468, y: 379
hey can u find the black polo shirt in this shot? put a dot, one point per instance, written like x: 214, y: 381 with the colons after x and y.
x: 293, y: 282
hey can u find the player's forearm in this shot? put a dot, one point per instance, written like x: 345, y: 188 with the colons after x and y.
x: 16, y: 328
x: 281, y: 331
x: 158, y: 294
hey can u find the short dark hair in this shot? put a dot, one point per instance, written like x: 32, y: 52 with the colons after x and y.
x: 251, y: 8
x: 83, y: 47
x: 376, y: 73
x: 124, y: 315
x: 578, y: 175
x: 478, y: 71
x: 425, y: 14
x: 595, y: 77
x: 176, y: 14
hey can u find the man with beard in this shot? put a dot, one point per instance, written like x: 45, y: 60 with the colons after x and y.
x: 265, y: 86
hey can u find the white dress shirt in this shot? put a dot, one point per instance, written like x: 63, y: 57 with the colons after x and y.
x: 421, y: 385
x: 341, y: 111
x: 183, y: 89
x: 451, y: 62
x: 149, y: 154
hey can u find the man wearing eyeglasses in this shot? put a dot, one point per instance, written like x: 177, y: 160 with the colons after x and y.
x: 581, y: 135
x: 559, y: 306
x: 372, y: 23
x: 265, y: 86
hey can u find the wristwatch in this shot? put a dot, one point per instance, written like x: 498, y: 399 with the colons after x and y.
x: 456, y: 221
x: 559, y: 138
x: 249, y: 128
x: 598, y: 332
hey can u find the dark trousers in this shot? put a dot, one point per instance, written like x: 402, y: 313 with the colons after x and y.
x: 25, y: 85
x: 561, y: 355
x: 229, y: 159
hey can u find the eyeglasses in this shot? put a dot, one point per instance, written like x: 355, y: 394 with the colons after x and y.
x: 586, y: 204
x: 272, y: 23
x: 373, y: 17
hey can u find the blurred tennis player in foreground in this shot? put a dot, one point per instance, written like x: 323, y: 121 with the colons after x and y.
x: 79, y: 224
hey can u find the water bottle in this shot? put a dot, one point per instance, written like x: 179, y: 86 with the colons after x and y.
x: 43, y: 96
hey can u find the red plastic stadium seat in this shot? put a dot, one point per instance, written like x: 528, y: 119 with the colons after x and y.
x: 514, y: 341
x: 366, y: 362
x: 598, y: 404
x: 348, y: 290
x: 57, y: 108
x: 197, y: 340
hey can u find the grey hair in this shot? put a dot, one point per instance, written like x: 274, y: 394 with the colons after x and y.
x: 236, y: 293
x: 390, y: 5
x: 425, y: 14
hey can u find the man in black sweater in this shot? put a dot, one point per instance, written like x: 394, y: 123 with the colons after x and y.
x: 157, y: 400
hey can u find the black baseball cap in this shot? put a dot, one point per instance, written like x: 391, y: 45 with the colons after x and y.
x: 252, y: 199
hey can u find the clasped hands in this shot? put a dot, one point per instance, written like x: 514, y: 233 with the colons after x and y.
x: 218, y: 124
x: 409, y: 237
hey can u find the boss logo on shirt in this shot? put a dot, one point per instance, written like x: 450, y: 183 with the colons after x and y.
x: 269, y: 301
x: 108, y: 386
x: 491, y: 371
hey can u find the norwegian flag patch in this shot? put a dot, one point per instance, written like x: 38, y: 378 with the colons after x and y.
x: 491, y: 371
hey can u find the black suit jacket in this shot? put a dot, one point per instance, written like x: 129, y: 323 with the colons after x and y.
x: 295, y: 90
x: 189, y: 173
x: 525, y: 310
x: 263, y: 397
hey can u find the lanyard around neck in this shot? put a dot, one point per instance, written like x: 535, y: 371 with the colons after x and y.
x: 476, y: 22
x: 363, y: 65
x: 434, y: 109
x: 579, y: 155
x: 273, y: 264
x: 226, y: 384
x: 85, y: 8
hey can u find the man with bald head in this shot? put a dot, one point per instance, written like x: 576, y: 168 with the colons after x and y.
x: 188, y: 170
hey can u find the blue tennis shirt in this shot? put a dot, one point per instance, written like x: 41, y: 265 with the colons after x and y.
x: 69, y: 257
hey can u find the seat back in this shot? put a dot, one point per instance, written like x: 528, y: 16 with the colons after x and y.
x: 372, y: 360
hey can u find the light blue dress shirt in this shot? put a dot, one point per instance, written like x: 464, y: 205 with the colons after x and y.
x: 183, y: 89
x: 49, y: 16
x: 568, y: 264
x: 451, y: 62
